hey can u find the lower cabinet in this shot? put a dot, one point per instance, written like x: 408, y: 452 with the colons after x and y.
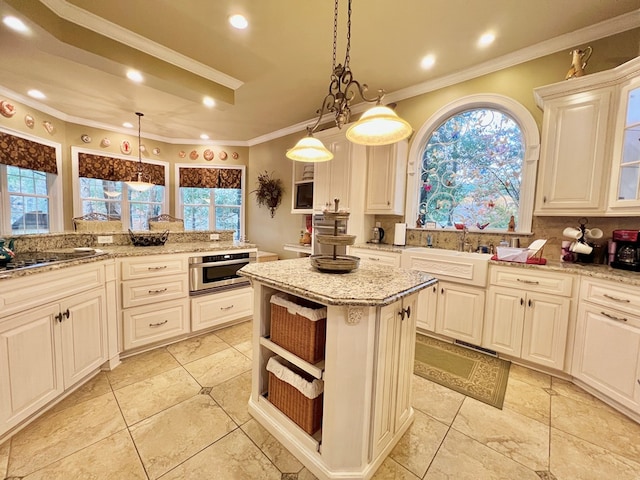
x: 460, y: 312
x: 220, y: 308
x: 427, y: 308
x: 379, y: 256
x: 153, y: 323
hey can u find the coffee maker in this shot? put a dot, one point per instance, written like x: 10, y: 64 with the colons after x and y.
x: 626, y: 247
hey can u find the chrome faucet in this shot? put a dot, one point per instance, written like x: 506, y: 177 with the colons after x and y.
x: 462, y: 241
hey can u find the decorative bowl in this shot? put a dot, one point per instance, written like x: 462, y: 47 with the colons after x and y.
x: 148, y: 239
x: 459, y: 226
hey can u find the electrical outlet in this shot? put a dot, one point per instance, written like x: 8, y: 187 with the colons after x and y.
x: 105, y: 239
x: 214, y: 236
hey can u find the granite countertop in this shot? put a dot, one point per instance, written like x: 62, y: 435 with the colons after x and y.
x: 369, y: 285
x: 384, y: 247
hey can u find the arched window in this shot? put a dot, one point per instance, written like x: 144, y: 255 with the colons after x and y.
x: 474, y: 162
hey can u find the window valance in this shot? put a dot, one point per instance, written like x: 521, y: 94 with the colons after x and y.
x: 116, y: 169
x: 211, y: 177
x: 23, y: 153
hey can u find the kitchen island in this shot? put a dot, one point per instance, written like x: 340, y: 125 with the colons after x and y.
x: 367, y: 366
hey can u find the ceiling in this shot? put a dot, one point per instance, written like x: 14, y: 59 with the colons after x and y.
x: 269, y: 79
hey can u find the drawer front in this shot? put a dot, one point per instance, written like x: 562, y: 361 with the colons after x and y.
x: 147, y: 291
x: 220, y: 308
x: 152, y: 323
x: 533, y: 280
x: 383, y: 258
x: 624, y: 298
x: 152, y: 266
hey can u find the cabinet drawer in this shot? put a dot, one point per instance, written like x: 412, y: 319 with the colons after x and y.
x: 146, y: 291
x: 621, y: 297
x: 220, y: 308
x: 532, y: 280
x: 384, y: 258
x: 152, y: 323
x: 151, y: 266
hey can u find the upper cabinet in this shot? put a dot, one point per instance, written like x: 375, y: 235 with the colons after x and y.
x: 386, y: 179
x: 585, y: 125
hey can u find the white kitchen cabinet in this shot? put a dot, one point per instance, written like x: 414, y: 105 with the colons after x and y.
x: 217, y: 309
x: 527, y: 314
x: 376, y: 255
x: 607, y: 344
x: 386, y: 179
x: 427, y: 309
x: 333, y: 178
x: 460, y: 312
x: 154, y: 323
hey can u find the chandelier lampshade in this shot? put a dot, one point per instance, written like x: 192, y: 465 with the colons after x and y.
x: 309, y: 149
x: 379, y: 126
x: 140, y: 181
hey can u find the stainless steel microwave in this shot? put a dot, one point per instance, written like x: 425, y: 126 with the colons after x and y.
x: 304, y: 195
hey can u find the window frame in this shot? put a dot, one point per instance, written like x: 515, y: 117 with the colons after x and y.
x: 243, y: 193
x: 54, y: 187
x: 77, y: 201
x: 531, y: 139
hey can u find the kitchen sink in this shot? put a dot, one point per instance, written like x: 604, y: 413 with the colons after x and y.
x: 451, y: 265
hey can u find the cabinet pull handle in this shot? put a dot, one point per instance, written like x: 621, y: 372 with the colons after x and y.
x: 408, y: 309
x: 157, y: 268
x: 522, y: 301
x: 58, y: 317
x: 442, y: 291
x: 616, y: 299
x: 66, y: 313
x: 529, y: 303
x: 530, y: 282
x: 435, y: 289
x: 227, y: 308
x: 161, y: 290
x: 376, y: 259
x: 613, y: 317
x: 158, y: 324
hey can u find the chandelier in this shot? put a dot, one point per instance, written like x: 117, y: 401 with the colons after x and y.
x: 141, y: 181
x: 379, y: 125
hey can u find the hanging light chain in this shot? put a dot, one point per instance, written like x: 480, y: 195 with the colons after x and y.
x: 335, y: 35
x: 347, y: 56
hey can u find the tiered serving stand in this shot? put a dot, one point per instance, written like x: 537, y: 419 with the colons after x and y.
x: 335, y: 263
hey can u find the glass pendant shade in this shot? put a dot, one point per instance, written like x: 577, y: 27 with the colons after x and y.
x: 379, y: 126
x: 139, y: 185
x: 309, y: 149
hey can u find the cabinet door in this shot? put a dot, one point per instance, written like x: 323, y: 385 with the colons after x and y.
x: 332, y: 179
x: 607, y: 353
x: 386, y: 179
x: 504, y: 320
x: 546, y: 320
x: 220, y: 308
x: 427, y: 305
x: 84, y: 335
x: 460, y: 312
x: 406, y: 354
x: 30, y: 363
x: 575, y: 155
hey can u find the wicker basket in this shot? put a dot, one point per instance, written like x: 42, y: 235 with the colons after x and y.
x: 300, y: 327
x: 303, y: 411
x: 148, y: 239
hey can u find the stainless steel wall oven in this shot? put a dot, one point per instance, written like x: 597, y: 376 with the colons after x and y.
x: 209, y: 273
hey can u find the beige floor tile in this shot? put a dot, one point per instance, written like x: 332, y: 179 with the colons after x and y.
x: 435, y: 400
x: 4, y: 457
x: 272, y: 448
x: 527, y: 375
x: 194, y: 348
x: 528, y: 399
x: 392, y: 470
x: 152, y: 395
x: 306, y: 475
x: 214, y: 369
x: 246, y: 348
x: 98, y: 385
x: 510, y: 433
x: 141, y: 366
x: 462, y: 458
x: 568, y: 389
x: 174, y: 435
x: 417, y: 447
x: 233, y: 396
x: 575, y: 459
x: 236, y: 334
x: 233, y: 457
x: 600, y: 425
x: 114, y: 457
x: 58, y: 434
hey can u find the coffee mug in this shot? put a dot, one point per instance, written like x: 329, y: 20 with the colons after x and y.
x: 593, y: 233
x: 579, y: 247
x: 572, y: 232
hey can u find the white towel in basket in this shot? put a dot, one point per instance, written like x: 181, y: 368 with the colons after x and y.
x: 310, y: 390
x: 313, y: 314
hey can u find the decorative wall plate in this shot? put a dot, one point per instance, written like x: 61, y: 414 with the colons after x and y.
x: 156, y: 151
x: 182, y: 154
x: 125, y: 147
x: 193, y: 155
x: 85, y: 138
x: 48, y: 126
x: 29, y: 121
x: 223, y: 155
x: 208, y: 155
x: 105, y: 142
x: 235, y: 155
x: 142, y: 148
x: 6, y: 109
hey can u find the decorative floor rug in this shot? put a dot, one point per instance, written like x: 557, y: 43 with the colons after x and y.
x: 464, y: 370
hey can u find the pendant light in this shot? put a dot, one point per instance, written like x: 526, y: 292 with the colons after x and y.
x: 378, y: 126
x: 141, y: 181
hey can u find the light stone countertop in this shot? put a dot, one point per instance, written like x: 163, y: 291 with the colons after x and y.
x: 369, y: 285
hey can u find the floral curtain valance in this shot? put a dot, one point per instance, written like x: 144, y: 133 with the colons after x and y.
x: 211, y: 177
x: 116, y: 169
x: 23, y: 153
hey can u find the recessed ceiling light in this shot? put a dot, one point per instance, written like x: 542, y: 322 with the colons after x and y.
x: 486, y: 39
x: 36, y: 94
x: 238, y: 21
x: 204, y: 136
x: 428, y: 61
x: 15, y: 23
x: 209, y: 102
x: 134, y: 76
x: 127, y: 125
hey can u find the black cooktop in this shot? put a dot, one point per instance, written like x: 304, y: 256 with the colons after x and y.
x: 38, y: 259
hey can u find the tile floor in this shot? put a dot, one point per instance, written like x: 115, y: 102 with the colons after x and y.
x: 180, y: 413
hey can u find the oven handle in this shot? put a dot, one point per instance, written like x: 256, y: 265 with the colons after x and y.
x: 219, y: 264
